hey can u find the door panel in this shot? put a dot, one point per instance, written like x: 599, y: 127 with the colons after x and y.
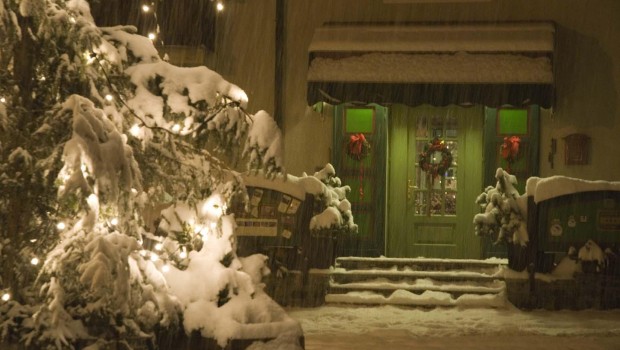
x: 434, y: 218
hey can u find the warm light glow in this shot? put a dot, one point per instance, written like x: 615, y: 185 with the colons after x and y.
x: 72, y: 20
x: 42, y: 78
x: 176, y: 128
x: 165, y: 268
x: 219, y: 6
x: 2, y: 99
x: 34, y: 261
x: 6, y: 297
x: 159, y: 246
x: 146, y: 8
x: 152, y: 36
x: 109, y: 97
x: 154, y: 257
x: 183, y: 254
x: 61, y: 226
x: 90, y: 57
x: 135, y: 130
x: 114, y: 221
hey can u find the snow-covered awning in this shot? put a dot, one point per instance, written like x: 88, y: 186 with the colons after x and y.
x: 491, y: 64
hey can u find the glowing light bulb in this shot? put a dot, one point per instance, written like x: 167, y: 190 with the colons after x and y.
x: 176, y: 128
x: 159, y: 246
x: 154, y: 257
x: 72, y: 19
x: 90, y: 57
x: 146, y: 8
x: 152, y: 36
x: 114, y: 221
x: 34, y: 261
x: 135, y: 130
x: 2, y: 99
x: 219, y: 6
x: 61, y: 226
x: 6, y: 297
x: 165, y: 268
x: 183, y: 254
x: 109, y: 98
x: 42, y: 78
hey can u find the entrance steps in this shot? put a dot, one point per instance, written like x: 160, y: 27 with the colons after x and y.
x: 417, y: 282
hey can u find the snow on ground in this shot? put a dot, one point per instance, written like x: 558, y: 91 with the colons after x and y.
x: 394, y: 328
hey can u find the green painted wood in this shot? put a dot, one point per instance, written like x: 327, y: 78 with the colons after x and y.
x: 528, y: 165
x: 411, y: 235
x: 397, y: 181
x: 369, y: 209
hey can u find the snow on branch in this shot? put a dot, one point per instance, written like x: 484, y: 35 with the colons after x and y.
x: 504, y: 213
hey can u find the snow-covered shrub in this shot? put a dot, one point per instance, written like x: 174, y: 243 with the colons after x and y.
x: 503, y: 211
x: 94, y: 127
x: 337, y: 215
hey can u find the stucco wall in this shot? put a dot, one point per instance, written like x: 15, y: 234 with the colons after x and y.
x: 587, y: 68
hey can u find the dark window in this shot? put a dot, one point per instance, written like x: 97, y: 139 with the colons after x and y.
x: 181, y: 22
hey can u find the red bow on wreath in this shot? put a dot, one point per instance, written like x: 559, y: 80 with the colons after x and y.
x: 356, y: 146
x: 510, y: 149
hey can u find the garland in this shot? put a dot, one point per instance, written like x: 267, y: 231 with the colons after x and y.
x: 435, y: 169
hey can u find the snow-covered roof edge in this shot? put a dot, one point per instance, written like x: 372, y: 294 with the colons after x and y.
x: 546, y: 188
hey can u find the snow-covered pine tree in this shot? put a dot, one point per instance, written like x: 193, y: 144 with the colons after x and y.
x: 94, y: 127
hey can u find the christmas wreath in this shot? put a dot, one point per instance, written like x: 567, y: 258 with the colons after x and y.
x: 510, y: 150
x: 358, y: 148
x: 428, y: 162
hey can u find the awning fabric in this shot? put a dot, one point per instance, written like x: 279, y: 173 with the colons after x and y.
x: 489, y: 64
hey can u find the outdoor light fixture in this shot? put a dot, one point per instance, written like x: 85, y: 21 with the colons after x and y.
x: 146, y: 8
x: 219, y: 6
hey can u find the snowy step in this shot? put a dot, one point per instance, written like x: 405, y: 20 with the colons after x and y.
x: 343, y: 276
x: 488, y: 266
x: 386, y: 287
x: 426, y: 299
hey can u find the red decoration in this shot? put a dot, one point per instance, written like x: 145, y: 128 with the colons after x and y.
x: 358, y: 148
x: 510, y: 150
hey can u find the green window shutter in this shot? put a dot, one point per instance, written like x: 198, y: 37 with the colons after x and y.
x: 510, y: 121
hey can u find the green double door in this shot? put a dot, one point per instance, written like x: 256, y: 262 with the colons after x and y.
x: 432, y: 216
